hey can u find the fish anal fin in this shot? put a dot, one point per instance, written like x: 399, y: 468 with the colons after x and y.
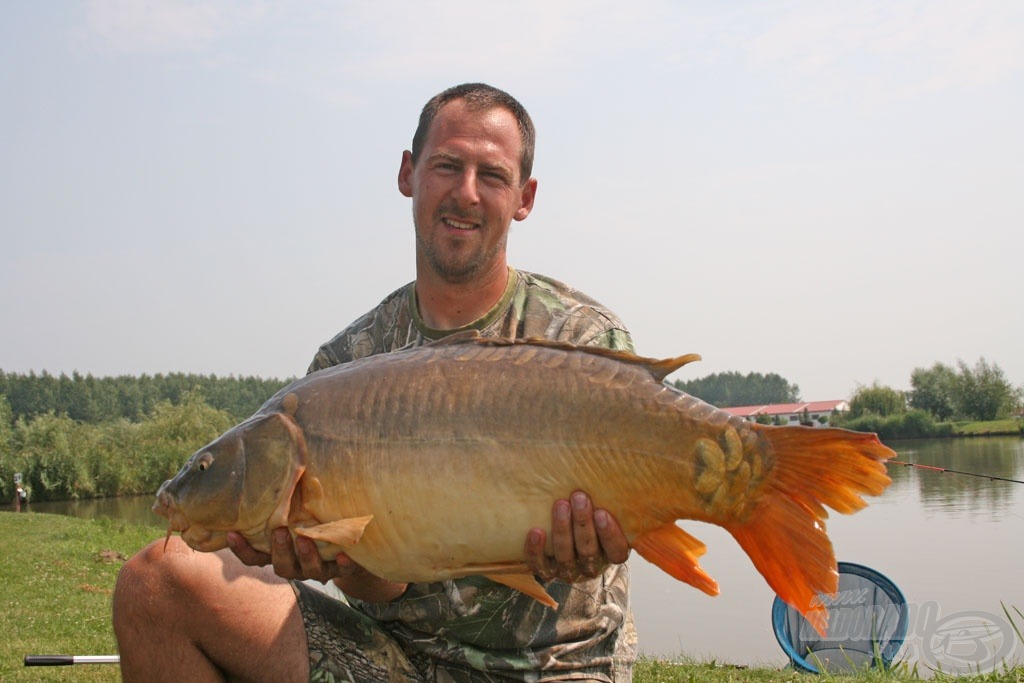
x: 344, y: 533
x: 675, y: 552
x: 526, y: 584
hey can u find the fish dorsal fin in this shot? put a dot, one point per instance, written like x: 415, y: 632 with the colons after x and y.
x: 659, y: 368
x: 666, y: 366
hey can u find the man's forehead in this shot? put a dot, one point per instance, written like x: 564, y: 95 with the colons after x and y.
x: 457, y: 119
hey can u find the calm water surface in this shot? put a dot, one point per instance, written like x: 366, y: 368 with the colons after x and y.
x: 954, y: 544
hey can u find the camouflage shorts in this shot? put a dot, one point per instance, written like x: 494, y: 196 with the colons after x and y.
x: 346, y: 646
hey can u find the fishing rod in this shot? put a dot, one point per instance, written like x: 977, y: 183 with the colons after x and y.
x: 946, y: 469
x: 68, y: 660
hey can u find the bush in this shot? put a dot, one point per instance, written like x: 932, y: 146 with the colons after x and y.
x: 62, y: 459
x: 915, y: 424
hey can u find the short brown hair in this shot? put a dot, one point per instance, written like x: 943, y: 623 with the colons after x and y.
x: 480, y: 96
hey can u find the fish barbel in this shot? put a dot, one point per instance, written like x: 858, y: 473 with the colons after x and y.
x: 433, y: 463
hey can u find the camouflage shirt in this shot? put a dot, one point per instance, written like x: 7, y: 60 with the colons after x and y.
x: 473, y: 622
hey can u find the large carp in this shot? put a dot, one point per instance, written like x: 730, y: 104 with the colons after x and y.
x: 433, y: 463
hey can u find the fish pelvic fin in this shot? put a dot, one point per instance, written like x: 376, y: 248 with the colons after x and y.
x: 675, y: 552
x: 515, y: 575
x: 526, y: 584
x: 785, y: 534
x: 343, y: 533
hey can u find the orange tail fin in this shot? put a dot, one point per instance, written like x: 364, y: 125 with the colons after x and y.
x: 785, y: 536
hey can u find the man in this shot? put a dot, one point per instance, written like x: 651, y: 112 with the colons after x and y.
x: 221, y: 616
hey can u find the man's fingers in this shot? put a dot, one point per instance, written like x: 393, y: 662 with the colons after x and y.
x: 562, y: 535
x: 536, y: 558
x: 584, y: 535
x: 590, y: 560
x: 584, y: 541
x: 613, y: 540
x: 245, y: 553
x: 286, y: 564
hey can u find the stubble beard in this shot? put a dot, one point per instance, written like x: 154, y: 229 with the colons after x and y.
x: 460, y: 263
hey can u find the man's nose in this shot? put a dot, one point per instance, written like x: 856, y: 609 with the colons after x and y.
x: 467, y: 191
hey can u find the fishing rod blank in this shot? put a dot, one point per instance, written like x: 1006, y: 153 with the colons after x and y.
x: 68, y: 660
x: 946, y: 469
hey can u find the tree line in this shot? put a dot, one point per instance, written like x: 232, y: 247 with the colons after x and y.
x: 80, y: 436
x: 732, y: 389
x: 95, y: 400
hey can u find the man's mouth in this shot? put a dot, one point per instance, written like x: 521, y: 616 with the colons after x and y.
x: 459, y: 225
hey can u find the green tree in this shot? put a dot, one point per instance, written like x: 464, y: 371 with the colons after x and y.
x: 983, y: 391
x: 934, y: 390
x: 729, y: 389
x: 9, y: 460
x: 877, y: 400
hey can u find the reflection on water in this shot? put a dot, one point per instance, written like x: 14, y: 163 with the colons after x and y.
x: 957, y: 493
x: 951, y: 542
x: 135, y: 509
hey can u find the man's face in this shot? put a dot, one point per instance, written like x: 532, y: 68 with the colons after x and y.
x: 466, y: 190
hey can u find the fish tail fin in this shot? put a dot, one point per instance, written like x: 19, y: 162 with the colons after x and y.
x: 785, y: 534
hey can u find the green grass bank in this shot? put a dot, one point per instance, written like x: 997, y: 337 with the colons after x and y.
x: 58, y: 574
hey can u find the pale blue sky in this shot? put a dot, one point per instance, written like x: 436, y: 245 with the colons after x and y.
x: 833, y: 191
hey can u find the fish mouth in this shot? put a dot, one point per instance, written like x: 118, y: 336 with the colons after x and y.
x: 195, y: 536
x: 166, y: 507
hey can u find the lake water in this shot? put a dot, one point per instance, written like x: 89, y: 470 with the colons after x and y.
x: 954, y: 544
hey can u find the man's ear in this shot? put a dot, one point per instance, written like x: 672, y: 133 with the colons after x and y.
x: 405, y: 174
x: 529, y: 194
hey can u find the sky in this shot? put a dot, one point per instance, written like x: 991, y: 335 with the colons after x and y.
x: 830, y: 191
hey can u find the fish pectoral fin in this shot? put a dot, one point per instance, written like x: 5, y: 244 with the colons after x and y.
x: 675, y: 552
x: 343, y: 532
x: 525, y: 583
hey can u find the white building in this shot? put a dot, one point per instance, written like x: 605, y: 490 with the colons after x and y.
x: 810, y: 413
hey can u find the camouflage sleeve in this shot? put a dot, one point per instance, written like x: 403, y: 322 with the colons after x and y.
x: 568, y: 314
x: 377, y: 331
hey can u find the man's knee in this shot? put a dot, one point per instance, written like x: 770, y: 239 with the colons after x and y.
x: 158, y: 578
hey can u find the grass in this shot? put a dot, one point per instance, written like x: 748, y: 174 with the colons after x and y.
x: 58, y: 574
x: 1009, y: 426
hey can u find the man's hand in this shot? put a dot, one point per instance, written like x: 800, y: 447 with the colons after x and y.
x: 585, y: 541
x: 301, y: 560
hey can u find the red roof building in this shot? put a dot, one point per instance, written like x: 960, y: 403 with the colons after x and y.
x: 815, y: 413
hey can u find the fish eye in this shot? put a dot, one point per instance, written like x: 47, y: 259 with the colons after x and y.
x: 204, y: 462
